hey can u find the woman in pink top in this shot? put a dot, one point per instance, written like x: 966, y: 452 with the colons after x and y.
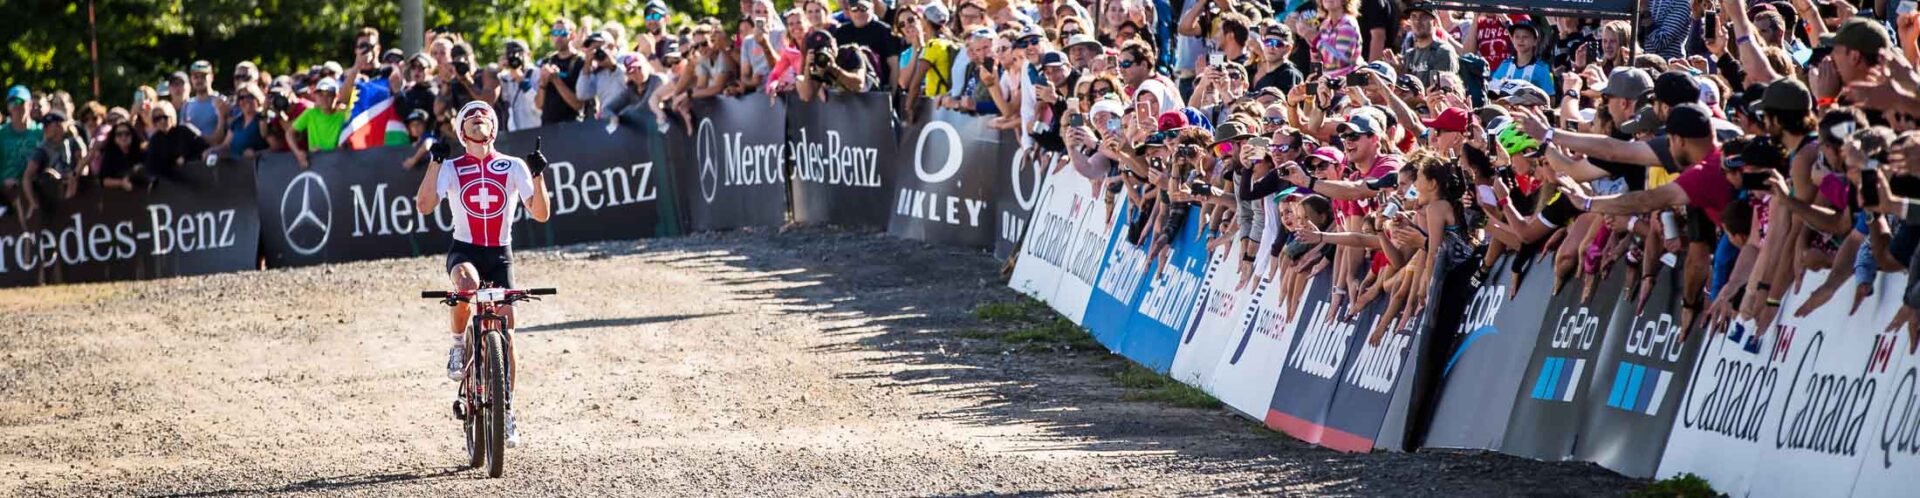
x: 786, y: 69
x: 1339, y: 42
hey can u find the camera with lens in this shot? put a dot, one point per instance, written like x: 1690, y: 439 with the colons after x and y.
x: 818, y: 61
x: 516, y: 60
x: 600, y: 54
x: 277, y: 101
x: 462, y: 68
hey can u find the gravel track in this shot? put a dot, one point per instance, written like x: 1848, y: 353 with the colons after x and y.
x: 810, y: 363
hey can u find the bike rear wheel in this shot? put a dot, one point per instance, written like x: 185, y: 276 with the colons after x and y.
x: 494, y: 370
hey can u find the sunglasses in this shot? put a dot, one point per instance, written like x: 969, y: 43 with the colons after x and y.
x: 1272, y: 42
x: 364, y: 46
x: 1276, y: 120
x: 1352, y: 136
x: 1127, y: 64
x: 1223, y: 148
x: 1024, y: 43
x: 655, y: 17
x: 557, y: 32
x: 123, y: 134
x: 856, y: 8
x: 162, y: 117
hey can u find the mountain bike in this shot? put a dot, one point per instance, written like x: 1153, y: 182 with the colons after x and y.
x: 485, y: 394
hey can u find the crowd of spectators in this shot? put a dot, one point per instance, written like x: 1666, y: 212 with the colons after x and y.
x: 1401, y: 147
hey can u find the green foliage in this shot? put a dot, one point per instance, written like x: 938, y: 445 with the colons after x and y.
x: 1680, y: 486
x: 46, y: 42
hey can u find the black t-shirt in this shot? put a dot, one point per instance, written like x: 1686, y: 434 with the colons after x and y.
x: 1634, y: 174
x: 1283, y: 78
x: 556, y: 109
x: 876, y: 36
x: 118, y: 163
x: 1049, y: 139
x: 167, y: 150
x: 420, y: 95
x: 1381, y: 14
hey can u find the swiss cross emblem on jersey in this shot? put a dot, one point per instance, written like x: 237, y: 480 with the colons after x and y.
x: 484, y: 197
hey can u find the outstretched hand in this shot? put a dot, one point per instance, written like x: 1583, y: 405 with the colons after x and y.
x: 537, y: 161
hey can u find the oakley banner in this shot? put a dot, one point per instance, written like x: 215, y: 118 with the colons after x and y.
x: 198, y: 221
x: 1020, y: 173
x: 734, y: 161
x: 359, y: 205
x: 837, y: 150
x: 945, y: 183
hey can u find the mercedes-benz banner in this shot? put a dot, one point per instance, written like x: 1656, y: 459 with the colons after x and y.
x: 359, y: 205
x: 734, y: 160
x: 194, y: 221
x: 840, y: 148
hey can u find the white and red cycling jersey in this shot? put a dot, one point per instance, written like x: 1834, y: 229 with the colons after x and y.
x: 485, y: 194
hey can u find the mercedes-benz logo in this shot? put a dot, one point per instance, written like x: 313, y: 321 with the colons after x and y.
x: 304, y: 227
x: 706, y: 150
x: 947, y: 170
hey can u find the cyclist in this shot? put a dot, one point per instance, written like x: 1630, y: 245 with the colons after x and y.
x: 487, y: 189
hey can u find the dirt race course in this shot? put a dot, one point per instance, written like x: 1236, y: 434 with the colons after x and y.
x: 812, y: 363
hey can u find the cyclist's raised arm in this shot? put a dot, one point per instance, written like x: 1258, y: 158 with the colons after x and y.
x: 436, y: 182
x: 532, y: 186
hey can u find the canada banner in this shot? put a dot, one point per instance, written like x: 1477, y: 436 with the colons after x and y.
x: 733, y: 168
x: 840, y: 150
x: 196, y: 220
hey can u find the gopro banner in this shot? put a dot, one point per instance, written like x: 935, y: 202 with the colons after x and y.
x: 1550, y: 405
x: 837, y: 148
x: 359, y: 204
x: 197, y: 221
x: 734, y: 162
x: 944, y: 185
x: 1642, y: 371
x: 1498, y: 332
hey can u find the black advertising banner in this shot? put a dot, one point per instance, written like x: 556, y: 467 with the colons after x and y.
x: 359, y: 205
x: 1551, y: 402
x: 197, y: 221
x: 603, y: 185
x: 838, y: 149
x: 1638, y: 384
x: 1603, y: 9
x: 945, y: 180
x: 1322, y: 397
x: 1497, y: 340
x: 1025, y: 170
x: 732, y: 168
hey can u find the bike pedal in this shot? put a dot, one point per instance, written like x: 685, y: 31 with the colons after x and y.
x: 459, y: 410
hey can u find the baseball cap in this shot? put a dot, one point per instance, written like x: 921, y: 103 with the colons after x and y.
x: 1526, y: 25
x: 327, y: 85
x: 819, y: 39
x: 419, y: 115
x: 860, y: 3
x: 52, y: 117
x: 392, y: 56
x: 1081, y: 39
x: 1862, y: 35
x: 331, y: 67
x: 1029, y: 30
x: 1763, y: 151
x: 1642, y: 121
x: 200, y: 66
x: 1417, y: 7
x: 1053, y: 58
x: 655, y: 7
x: 936, y: 13
x: 1230, y: 130
x: 1172, y: 120
x: 1784, y: 95
x: 1380, y: 68
x: 1452, y: 119
x: 1690, y: 120
x: 516, y: 45
x: 1361, y: 122
x: 1329, y: 154
x: 1627, y: 83
x: 1488, y: 113
x: 1522, y: 93
x: 20, y: 93
x: 1109, y: 106
x: 979, y: 33
x: 1675, y: 88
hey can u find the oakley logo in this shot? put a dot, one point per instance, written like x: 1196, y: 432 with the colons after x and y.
x: 306, y: 214
x: 953, y: 153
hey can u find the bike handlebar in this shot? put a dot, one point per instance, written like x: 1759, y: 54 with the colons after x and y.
x: 511, y: 294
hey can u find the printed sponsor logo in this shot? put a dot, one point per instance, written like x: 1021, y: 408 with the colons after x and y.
x: 831, y: 163
x: 1171, y: 294
x: 1900, y: 429
x: 82, y: 241
x: 306, y: 213
x: 1733, y: 396
x: 726, y: 160
x: 1126, y: 264
x: 1378, y: 366
x: 1558, y: 379
x: 1639, y: 388
x: 1323, y: 345
x: 1826, y: 412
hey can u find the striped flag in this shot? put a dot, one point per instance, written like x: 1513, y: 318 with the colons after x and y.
x: 374, y: 120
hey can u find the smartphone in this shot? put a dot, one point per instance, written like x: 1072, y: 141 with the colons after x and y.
x: 1358, y: 78
x: 1076, y: 119
x: 1216, y: 59
x: 1593, y: 52
x: 1711, y: 27
x: 1754, y: 181
x: 1669, y: 226
x: 1313, y: 89
x: 1870, y: 183
x: 1392, y: 209
x: 1905, y: 7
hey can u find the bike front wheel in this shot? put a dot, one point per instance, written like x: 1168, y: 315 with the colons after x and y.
x: 494, y: 372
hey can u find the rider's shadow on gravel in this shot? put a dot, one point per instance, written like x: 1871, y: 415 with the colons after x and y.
x: 915, y: 301
x: 341, y: 484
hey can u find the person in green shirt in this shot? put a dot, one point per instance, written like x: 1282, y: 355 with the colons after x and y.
x: 19, y: 137
x: 321, y: 123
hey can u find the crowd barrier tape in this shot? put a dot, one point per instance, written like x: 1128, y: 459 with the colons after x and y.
x: 1825, y: 405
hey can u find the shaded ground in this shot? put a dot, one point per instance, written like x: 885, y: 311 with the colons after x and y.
x: 813, y: 363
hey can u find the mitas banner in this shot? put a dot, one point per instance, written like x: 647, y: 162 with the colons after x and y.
x: 839, y: 147
x: 359, y: 205
x: 944, y: 185
x: 734, y: 162
x: 194, y: 221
